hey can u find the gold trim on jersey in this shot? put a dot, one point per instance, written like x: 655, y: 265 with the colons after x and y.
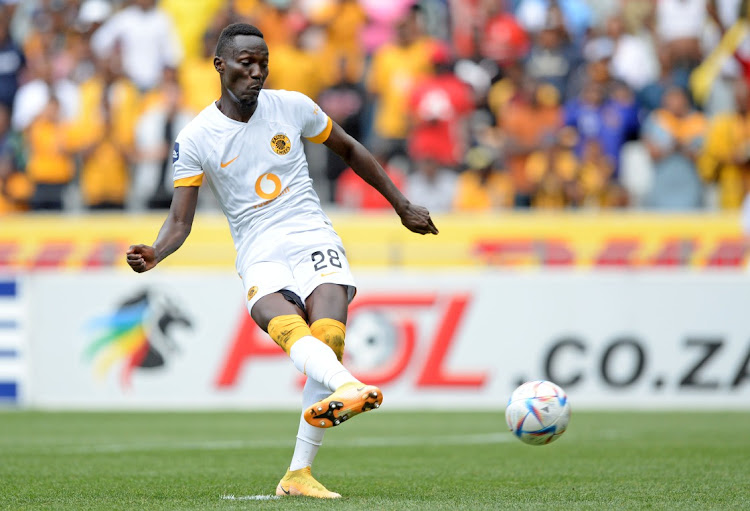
x: 323, y: 135
x: 281, y: 144
x: 189, y: 181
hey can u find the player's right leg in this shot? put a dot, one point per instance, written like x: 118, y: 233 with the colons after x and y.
x: 327, y: 311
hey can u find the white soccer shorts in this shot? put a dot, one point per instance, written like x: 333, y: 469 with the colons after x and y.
x: 299, y: 262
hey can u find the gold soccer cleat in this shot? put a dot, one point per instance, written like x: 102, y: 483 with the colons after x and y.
x: 301, y: 483
x: 349, y: 400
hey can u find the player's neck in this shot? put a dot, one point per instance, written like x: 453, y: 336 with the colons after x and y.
x: 234, y: 109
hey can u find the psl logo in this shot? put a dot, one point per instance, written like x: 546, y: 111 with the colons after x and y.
x: 138, y: 334
x: 381, y: 341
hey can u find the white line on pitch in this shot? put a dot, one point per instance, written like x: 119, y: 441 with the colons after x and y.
x: 218, y: 445
x: 250, y: 497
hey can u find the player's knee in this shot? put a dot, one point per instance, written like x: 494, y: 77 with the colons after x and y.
x: 287, y: 329
x: 332, y: 333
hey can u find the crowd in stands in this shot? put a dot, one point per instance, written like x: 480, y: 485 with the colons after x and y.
x: 469, y: 104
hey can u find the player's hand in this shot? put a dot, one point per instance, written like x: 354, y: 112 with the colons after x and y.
x: 141, y: 258
x: 417, y: 219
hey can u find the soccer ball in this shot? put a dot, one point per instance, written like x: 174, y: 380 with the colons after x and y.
x: 538, y: 412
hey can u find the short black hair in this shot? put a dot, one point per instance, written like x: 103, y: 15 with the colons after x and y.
x: 226, y: 39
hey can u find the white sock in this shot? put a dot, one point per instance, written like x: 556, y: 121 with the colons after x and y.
x: 318, y: 361
x: 309, y: 438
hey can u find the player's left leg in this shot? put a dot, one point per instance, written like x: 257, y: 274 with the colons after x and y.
x: 299, y: 480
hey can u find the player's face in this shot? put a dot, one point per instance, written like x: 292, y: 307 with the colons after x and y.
x: 245, y: 68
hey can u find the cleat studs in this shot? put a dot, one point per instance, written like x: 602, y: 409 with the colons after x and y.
x: 333, y: 405
x: 374, y: 394
x: 376, y: 405
x: 320, y: 408
x: 336, y: 422
x: 322, y: 423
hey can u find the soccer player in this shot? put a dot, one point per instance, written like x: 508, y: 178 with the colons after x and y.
x: 292, y: 263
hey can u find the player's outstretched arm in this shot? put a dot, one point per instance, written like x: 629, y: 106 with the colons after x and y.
x: 172, y: 234
x: 415, y: 218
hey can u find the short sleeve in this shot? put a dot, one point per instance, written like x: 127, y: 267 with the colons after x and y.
x: 187, y: 166
x: 315, y: 124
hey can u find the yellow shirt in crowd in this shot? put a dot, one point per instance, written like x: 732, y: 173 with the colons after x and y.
x: 292, y: 68
x: 473, y: 195
x: 394, y: 72
x: 728, y: 138
x: 50, y: 152
x: 199, y: 82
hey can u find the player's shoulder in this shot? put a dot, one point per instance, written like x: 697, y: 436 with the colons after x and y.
x: 285, y: 100
x: 204, y: 126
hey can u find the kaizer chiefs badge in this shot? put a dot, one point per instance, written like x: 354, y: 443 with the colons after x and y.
x: 280, y: 143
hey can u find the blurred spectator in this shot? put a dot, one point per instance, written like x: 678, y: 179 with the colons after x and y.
x: 439, y: 105
x: 726, y: 159
x: 595, y: 186
x: 483, y: 186
x: 15, y: 188
x: 395, y: 70
x: 104, y: 133
x: 552, y: 171
x: 353, y: 192
x: 432, y: 186
x: 198, y: 78
x: 344, y: 21
x: 679, y: 26
x: 162, y: 119
x: 596, y: 66
x: 726, y: 47
x: 650, y: 96
x: 382, y: 17
x: 611, y: 120
x: 552, y: 58
x: 745, y: 216
x: 465, y: 20
x: 33, y: 96
x: 12, y: 60
x: 146, y: 38
x: 192, y: 19
x: 299, y: 66
x: 634, y: 58
x: 344, y: 104
x: 576, y: 14
x: 674, y: 136
x: 502, y: 39
x: 533, y: 118
x: 279, y: 20
x: 50, y: 163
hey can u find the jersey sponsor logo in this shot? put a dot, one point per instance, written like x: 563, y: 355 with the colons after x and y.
x: 176, y: 152
x: 281, y: 144
x: 224, y: 165
x: 251, y: 292
x: 268, y: 186
x: 316, y: 110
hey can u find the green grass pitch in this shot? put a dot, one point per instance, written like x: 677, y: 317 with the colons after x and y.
x: 383, y: 460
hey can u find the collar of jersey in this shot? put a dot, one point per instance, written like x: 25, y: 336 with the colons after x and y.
x: 219, y: 114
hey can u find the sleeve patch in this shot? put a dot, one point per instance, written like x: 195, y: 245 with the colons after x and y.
x: 323, y: 135
x: 176, y: 152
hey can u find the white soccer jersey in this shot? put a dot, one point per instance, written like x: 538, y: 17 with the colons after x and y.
x: 257, y: 169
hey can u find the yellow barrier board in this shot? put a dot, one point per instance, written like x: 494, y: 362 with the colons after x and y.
x: 579, y: 240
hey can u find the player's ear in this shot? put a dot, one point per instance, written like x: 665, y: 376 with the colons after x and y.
x: 219, y: 64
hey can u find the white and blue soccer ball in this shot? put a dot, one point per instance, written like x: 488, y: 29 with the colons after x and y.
x: 538, y: 412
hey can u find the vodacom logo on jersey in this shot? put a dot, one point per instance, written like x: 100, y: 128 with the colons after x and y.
x: 268, y: 186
